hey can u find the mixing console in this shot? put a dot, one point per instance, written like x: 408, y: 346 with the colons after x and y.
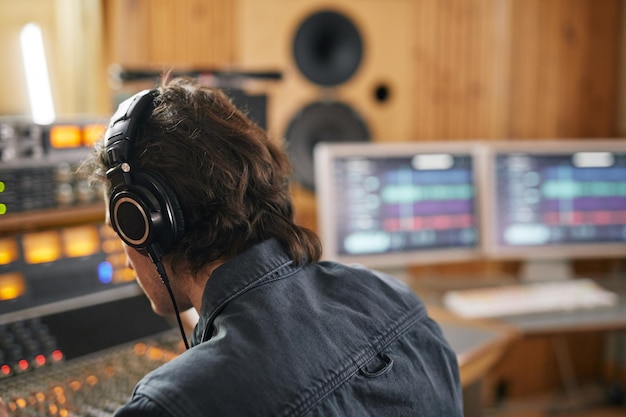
x: 81, y: 361
x: 90, y: 386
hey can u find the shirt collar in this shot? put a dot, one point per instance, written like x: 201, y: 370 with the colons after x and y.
x: 263, y: 262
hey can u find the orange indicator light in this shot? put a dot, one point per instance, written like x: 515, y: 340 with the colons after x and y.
x: 80, y: 241
x: 41, y: 247
x: 12, y: 285
x: 65, y: 136
x: 92, y: 133
x: 8, y: 251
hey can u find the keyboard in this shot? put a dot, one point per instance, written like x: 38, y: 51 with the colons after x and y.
x: 526, y: 298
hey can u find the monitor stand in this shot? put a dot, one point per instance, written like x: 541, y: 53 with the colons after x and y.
x: 534, y: 270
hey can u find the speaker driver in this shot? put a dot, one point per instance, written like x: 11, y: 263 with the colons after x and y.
x: 327, y: 48
x: 320, y: 122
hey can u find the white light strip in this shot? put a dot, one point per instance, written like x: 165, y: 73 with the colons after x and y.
x: 37, y: 80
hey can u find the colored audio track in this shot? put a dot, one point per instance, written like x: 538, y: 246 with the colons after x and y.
x: 553, y: 200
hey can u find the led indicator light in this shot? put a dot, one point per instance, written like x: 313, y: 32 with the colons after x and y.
x: 105, y: 272
x: 65, y: 136
x: 1, y: 186
x: 40, y: 360
x: 12, y: 285
x: 9, y: 251
x: 3, y: 208
x: 57, y: 355
x: 23, y: 364
x: 80, y: 241
x: 5, y: 369
x: 92, y: 133
x: 41, y: 247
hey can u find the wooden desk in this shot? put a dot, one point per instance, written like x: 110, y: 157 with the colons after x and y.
x: 479, y: 344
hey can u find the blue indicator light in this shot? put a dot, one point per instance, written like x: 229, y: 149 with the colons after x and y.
x: 105, y: 272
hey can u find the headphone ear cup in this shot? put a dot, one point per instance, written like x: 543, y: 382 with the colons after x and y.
x: 146, y: 213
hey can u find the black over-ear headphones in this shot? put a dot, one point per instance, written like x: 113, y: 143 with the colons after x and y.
x: 143, y: 209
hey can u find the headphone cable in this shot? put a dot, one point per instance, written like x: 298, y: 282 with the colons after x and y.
x: 161, y: 270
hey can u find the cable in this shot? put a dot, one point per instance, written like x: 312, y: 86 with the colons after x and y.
x: 156, y: 260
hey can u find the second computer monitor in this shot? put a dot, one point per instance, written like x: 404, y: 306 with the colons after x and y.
x: 555, y: 200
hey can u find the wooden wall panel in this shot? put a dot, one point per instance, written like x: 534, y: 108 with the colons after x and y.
x: 500, y: 69
x: 461, y: 59
x: 489, y: 69
x: 564, y: 66
x: 171, y: 34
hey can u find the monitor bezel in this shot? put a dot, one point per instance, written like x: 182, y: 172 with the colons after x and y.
x: 325, y: 153
x: 489, y: 196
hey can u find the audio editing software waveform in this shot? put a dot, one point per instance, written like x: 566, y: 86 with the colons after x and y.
x: 563, y: 198
x: 404, y: 203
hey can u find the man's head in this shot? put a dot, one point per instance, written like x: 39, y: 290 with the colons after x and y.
x: 228, y: 178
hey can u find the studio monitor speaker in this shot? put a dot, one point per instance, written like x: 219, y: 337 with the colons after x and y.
x: 346, y: 66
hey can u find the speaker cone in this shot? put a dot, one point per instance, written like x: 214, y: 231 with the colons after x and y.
x: 320, y: 122
x: 327, y: 48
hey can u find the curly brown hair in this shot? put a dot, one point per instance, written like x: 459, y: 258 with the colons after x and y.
x: 230, y: 178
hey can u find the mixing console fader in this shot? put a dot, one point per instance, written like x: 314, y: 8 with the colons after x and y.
x: 91, y: 386
x: 84, y: 361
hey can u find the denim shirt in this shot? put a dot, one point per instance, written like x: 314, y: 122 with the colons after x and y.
x: 323, y: 339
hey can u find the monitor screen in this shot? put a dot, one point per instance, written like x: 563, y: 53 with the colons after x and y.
x: 397, y: 204
x: 557, y: 199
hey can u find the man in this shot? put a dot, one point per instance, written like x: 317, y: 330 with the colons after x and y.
x: 199, y: 191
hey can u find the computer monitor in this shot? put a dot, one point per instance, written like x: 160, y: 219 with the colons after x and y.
x: 392, y: 205
x: 548, y: 202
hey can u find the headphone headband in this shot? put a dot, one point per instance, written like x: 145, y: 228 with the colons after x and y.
x: 122, y: 128
x: 143, y: 210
